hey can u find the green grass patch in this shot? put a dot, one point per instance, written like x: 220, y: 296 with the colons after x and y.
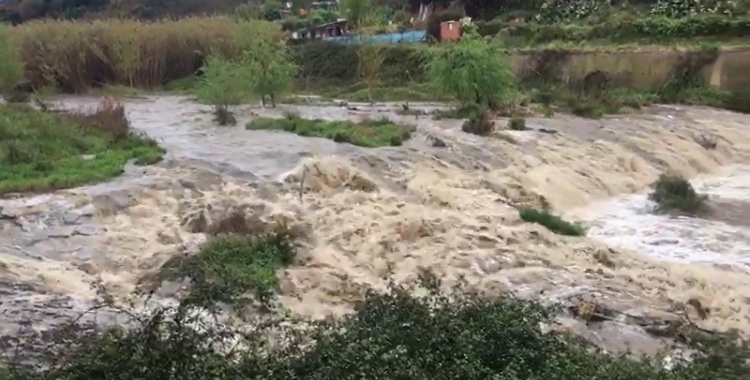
x: 675, y: 194
x: 42, y: 151
x: 231, y: 265
x: 368, y: 134
x: 552, y: 222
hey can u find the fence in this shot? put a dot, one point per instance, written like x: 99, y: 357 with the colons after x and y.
x: 391, y: 38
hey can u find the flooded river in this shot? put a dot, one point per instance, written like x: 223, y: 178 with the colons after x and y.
x: 721, y: 239
x: 442, y: 201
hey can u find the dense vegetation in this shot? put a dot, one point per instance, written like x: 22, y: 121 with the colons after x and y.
x: 76, y: 56
x: 42, y: 151
x: 391, y: 335
x: 369, y: 133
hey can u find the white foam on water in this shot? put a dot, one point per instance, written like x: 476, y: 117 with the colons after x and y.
x: 629, y: 222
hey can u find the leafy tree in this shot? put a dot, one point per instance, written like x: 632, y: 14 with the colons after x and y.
x: 248, y: 12
x: 272, y: 10
x: 471, y: 70
x: 223, y: 84
x: 357, y: 10
x: 30, y: 9
x: 11, y: 65
x: 265, y: 54
x: 370, y: 54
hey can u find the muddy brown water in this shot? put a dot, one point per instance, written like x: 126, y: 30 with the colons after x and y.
x: 442, y: 201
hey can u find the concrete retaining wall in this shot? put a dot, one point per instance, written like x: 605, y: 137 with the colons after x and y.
x: 648, y: 69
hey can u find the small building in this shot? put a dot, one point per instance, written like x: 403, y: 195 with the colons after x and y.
x: 337, y: 28
x: 450, y: 31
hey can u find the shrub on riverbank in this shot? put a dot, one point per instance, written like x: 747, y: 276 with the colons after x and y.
x: 41, y: 151
x: 553, y: 223
x: 368, y: 133
x: 674, y: 193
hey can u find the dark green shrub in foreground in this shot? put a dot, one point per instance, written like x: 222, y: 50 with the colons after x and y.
x: 390, y: 336
x: 552, y: 222
x: 42, y: 151
x: 368, y: 134
x: 675, y: 194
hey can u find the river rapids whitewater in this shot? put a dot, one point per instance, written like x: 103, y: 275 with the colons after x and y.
x: 440, y: 201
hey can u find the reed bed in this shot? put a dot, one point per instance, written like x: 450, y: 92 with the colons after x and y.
x: 75, y: 56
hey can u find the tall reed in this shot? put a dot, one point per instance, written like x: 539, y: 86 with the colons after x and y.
x: 78, y: 55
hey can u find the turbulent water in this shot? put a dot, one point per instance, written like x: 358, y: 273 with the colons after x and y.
x: 722, y: 239
x: 443, y: 201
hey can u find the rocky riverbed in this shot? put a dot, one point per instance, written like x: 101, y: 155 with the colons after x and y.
x: 443, y: 201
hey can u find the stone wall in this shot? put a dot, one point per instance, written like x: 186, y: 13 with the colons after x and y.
x: 640, y: 70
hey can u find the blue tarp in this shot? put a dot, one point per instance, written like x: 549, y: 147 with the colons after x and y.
x: 392, y: 38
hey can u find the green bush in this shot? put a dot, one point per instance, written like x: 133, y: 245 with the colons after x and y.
x: 517, y: 123
x: 472, y: 70
x: 229, y: 266
x: 552, y: 222
x: 479, y: 122
x: 224, y: 84
x: 42, y: 151
x: 368, y: 134
x: 389, y: 336
x: 674, y: 193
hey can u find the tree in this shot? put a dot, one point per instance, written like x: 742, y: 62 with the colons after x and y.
x: 472, y: 70
x: 11, y: 65
x: 356, y: 10
x: 272, y: 10
x: 248, y: 12
x: 265, y: 54
x: 223, y: 84
x: 370, y: 54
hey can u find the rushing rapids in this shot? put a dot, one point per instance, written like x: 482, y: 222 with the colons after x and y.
x: 444, y: 201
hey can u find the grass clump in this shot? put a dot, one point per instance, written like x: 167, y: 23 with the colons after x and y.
x: 230, y: 265
x: 552, y: 222
x: 41, y: 151
x: 368, y: 134
x: 675, y: 194
x: 517, y: 123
